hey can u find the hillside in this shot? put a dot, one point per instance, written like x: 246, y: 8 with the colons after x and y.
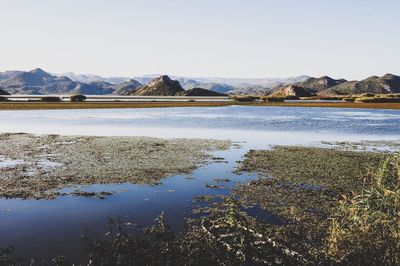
x: 315, y: 85
x: 388, y: 83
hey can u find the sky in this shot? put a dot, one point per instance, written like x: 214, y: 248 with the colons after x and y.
x: 352, y: 39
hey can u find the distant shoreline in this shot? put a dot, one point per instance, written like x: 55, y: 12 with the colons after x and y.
x: 114, y: 105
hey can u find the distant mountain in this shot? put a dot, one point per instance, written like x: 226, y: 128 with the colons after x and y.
x: 37, y: 81
x: 125, y: 87
x: 388, y: 83
x: 9, y: 74
x: 244, y: 82
x: 218, y: 87
x: 93, y: 88
x: 201, y: 92
x: 251, y: 90
x: 258, y: 86
x: 161, y: 86
x: 3, y: 92
x: 292, y: 91
x: 88, y: 78
x: 40, y: 82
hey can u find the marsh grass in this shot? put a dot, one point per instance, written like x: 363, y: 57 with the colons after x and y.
x: 366, y: 227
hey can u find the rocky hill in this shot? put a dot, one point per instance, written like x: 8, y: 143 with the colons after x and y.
x: 161, y: 86
x: 292, y: 91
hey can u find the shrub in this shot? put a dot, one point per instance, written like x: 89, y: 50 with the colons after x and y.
x: 3, y: 99
x: 367, y: 95
x: 330, y: 98
x: 273, y: 99
x: 246, y: 98
x: 78, y: 98
x: 350, y: 99
x: 51, y: 99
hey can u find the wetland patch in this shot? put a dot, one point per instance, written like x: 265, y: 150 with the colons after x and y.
x: 317, y: 193
x: 36, y: 166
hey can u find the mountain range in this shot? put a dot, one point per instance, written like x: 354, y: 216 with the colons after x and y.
x: 327, y: 86
x: 41, y: 82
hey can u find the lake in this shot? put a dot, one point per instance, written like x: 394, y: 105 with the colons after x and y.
x: 46, y: 228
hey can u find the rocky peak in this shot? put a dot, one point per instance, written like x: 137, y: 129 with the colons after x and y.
x: 161, y: 86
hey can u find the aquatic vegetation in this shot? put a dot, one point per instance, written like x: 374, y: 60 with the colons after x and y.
x: 226, y: 236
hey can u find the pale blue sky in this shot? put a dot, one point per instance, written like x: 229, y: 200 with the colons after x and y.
x: 229, y: 38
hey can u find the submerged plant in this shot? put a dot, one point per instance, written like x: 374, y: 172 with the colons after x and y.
x: 225, y: 236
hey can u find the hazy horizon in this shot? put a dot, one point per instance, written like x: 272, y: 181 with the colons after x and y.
x: 227, y: 39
